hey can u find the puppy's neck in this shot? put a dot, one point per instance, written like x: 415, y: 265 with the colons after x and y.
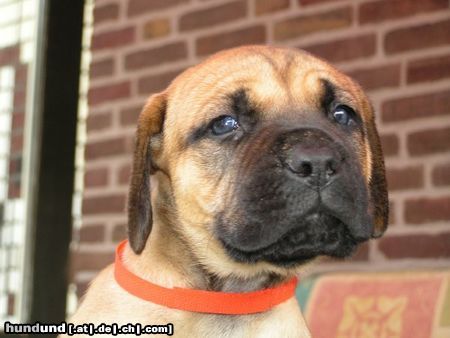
x: 167, y: 260
x: 236, y: 284
x: 164, y: 261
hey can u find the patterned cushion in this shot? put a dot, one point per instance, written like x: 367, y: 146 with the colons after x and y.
x: 377, y: 305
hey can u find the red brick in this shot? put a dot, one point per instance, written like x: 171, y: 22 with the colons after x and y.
x: 124, y: 174
x: 139, y: 7
x: 16, y: 143
x: 18, y: 120
x: 345, y: 49
x: 307, y: 24
x: 392, y: 218
x: 155, y: 83
x: 213, y: 43
x: 390, y: 144
x: 313, y: 2
x: 102, y: 68
x: 10, y: 55
x: 106, y: 12
x: 14, y: 188
x: 129, y: 116
x: 21, y: 75
x: 212, y: 16
x: 20, y: 95
x: 361, y: 253
x: 429, y: 141
x: 113, y: 39
x: 265, y: 7
x: 96, y: 177
x: 423, y: 210
x: 109, y: 92
x: 441, y: 174
x: 92, y: 261
x: 428, y: 69
x: 98, y: 121
x: 418, y: 37
x: 105, y: 204
x: 405, y: 178
x: 377, y: 77
x: 14, y: 177
x: 11, y: 304
x: 82, y: 287
x: 378, y: 11
x: 156, y: 56
x: 101, y: 149
x: 119, y: 233
x: 15, y: 165
x: 92, y: 233
x: 415, y: 246
x: 156, y: 28
x: 417, y: 106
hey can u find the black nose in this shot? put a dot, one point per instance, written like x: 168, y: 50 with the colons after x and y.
x: 313, y: 160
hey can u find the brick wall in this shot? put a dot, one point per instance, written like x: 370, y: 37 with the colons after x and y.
x: 17, y: 21
x: 399, y: 50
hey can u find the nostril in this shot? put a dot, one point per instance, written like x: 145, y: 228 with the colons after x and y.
x: 330, y: 168
x: 304, y: 169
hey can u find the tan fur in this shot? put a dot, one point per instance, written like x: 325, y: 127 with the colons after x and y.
x: 187, y: 192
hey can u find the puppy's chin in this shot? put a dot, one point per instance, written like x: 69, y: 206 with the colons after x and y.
x: 317, y: 235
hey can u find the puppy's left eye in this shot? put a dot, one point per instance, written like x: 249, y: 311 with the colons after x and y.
x: 224, y: 125
x: 343, y: 115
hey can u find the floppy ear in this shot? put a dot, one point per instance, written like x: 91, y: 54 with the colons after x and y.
x: 139, y: 205
x: 378, y: 185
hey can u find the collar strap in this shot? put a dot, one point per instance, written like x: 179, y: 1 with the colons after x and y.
x: 200, y: 300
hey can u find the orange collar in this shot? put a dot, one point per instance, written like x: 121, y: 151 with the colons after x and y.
x: 200, y: 300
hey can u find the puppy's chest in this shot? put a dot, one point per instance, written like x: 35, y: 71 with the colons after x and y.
x: 252, y: 326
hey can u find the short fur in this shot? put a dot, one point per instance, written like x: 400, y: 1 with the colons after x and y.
x: 243, y: 211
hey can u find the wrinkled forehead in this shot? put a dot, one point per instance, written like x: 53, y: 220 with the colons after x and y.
x: 274, y: 82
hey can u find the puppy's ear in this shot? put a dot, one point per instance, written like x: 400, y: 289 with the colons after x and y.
x: 139, y: 202
x: 378, y: 185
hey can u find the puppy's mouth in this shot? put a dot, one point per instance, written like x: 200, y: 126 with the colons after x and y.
x: 318, y: 235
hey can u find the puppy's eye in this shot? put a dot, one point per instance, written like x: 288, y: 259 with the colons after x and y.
x: 224, y: 125
x: 343, y: 115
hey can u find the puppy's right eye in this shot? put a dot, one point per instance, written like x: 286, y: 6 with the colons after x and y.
x: 223, y: 125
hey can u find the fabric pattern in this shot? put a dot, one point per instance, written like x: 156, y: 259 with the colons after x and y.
x: 377, y: 305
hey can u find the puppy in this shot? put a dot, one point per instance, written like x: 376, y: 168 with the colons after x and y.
x: 261, y: 159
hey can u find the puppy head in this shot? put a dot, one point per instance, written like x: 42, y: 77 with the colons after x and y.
x: 270, y: 157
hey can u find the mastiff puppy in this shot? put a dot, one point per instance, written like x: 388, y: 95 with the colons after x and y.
x: 247, y: 167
